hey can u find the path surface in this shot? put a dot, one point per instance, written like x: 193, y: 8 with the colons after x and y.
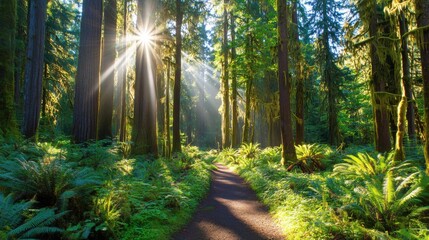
x: 230, y: 211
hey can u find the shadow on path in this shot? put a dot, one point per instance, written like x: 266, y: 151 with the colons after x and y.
x: 230, y: 211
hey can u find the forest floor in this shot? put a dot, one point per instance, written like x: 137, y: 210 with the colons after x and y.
x: 230, y: 211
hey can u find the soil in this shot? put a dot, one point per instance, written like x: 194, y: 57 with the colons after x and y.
x: 230, y: 211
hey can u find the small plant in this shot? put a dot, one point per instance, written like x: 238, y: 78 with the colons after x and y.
x: 309, y: 158
x: 229, y: 155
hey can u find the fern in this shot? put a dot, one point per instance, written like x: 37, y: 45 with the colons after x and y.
x: 309, y: 158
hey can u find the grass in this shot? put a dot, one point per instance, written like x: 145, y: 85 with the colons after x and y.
x: 321, y: 205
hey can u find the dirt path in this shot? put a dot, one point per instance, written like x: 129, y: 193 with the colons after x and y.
x: 230, y: 211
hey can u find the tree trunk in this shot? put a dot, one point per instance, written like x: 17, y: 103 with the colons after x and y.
x: 107, y: 71
x: 225, y: 79
x: 381, y: 123
x: 145, y: 100
x: 88, y: 73
x: 422, y: 7
x: 177, y: 78
x: 406, y: 78
x: 299, y: 77
x: 288, y: 146
x: 7, y: 52
x: 123, y: 82
x: 167, y: 111
x: 235, y: 138
x: 21, y: 27
x: 34, y: 68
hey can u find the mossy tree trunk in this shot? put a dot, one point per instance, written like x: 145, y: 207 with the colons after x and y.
x: 7, y: 55
x: 406, y: 77
x: 88, y: 73
x: 422, y: 10
x: 107, y: 70
x: 378, y: 84
x: 288, y: 146
x: 34, y: 67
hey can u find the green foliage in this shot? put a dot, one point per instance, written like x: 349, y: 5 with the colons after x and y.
x: 383, y: 201
x: 309, y: 158
x: 50, y: 182
x: 18, y: 221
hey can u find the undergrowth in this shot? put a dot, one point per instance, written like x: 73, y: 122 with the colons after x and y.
x: 354, y: 196
x: 58, y: 190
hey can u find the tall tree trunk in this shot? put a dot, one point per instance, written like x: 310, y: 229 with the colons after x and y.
x: 7, y: 53
x: 107, y: 70
x: 235, y: 138
x: 145, y: 100
x: 123, y: 83
x: 167, y: 111
x: 21, y: 27
x: 422, y: 7
x: 288, y: 146
x: 177, y: 78
x: 381, y: 118
x: 34, y: 68
x: 88, y: 73
x: 299, y: 77
x: 225, y: 81
x: 406, y: 77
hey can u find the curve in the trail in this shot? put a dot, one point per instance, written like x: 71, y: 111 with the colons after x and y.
x: 230, y: 211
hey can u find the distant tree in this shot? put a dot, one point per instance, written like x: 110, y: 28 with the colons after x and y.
x: 7, y: 48
x: 288, y: 146
x: 145, y: 100
x: 326, y: 20
x: 177, y: 79
x: 107, y: 70
x: 34, y: 67
x: 88, y: 73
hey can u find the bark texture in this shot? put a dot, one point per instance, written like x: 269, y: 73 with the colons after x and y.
x: 234, y: 137
x: 107, y: 71
x: 422, y: 7
x: 145, y: 100
x: 7, y: 49
x: 378, y: 84
x: 88, y: 73
x: 34, y: 67
x: 288, y: 146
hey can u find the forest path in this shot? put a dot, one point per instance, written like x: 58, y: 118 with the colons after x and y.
x: 230, y: 211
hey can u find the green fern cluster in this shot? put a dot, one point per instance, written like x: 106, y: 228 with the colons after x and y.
x: 309, y: 158
x: 21, y: 222
x: 385, y: 195
x: 50, y: 183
